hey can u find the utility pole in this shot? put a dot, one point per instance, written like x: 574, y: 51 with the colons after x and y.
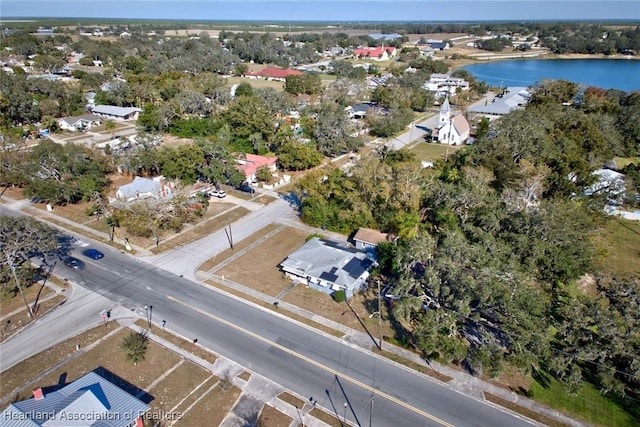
x: 379, y: 319
x: 371, y: 410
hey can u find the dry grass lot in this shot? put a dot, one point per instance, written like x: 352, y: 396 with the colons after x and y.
x: 258, y: 268
x: 28, y: 370
x: 13, y: 323
x: 211, y: 409
x: 271, y: 417
x: 170, y: 391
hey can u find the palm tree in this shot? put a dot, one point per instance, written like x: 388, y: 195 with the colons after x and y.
x: 110, y: 126
x: 135, y: 344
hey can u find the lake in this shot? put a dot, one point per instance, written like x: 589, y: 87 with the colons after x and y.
x: 622, y: 74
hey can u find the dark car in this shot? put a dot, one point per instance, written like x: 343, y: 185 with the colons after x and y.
x: 246, y: 188
x: 73, y: 263
x: 93, y: 253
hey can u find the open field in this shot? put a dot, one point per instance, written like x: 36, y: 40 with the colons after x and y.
x: 432, y: 152
x: 256, y: 83
x: 619, y: 247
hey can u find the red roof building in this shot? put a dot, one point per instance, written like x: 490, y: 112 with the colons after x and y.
x: 252, y: 162
x: 380, y: 52
x: 274, y: 73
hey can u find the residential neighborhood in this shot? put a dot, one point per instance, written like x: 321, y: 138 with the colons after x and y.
x: 281, y: 224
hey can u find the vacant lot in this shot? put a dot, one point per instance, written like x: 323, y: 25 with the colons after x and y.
x: 431, y: 152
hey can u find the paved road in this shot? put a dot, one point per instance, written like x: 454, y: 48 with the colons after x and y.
x: 293, y: 355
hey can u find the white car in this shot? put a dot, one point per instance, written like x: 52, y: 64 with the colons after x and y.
x: 217, y: 193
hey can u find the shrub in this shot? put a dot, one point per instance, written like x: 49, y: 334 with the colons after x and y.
x: 340, y: 296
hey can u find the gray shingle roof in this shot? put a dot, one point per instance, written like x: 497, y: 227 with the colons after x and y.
x: 329, y: 261
x: 89, y: 401
x: 113, y: 110
x: 140, y: 185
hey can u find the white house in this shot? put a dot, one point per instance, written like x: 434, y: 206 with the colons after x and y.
x: 84, y: 122
x: 116, y: 113
x: 145, y: 188
x: 451, y: 130
x: 328, y: 266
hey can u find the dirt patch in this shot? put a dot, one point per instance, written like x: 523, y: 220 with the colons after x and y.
x: 14, y: 193
x: 244, y: 376
x: 587, y: 284
x: 258, y: 267
x: 12, y: 302
x: 273, y: 418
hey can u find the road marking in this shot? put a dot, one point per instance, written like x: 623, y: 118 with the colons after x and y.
x: 313, y: 362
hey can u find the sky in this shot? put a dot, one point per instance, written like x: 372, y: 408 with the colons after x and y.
x: 327, y: 10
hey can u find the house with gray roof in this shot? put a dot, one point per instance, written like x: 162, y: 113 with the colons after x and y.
x: 144, y: 188
x: 90, y: 400
x: 116, y: 113
x: 328, y: 266
x: 513, y: 98
x: 83, y: 122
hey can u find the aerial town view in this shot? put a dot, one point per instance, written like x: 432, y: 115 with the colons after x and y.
x: 319, y: 213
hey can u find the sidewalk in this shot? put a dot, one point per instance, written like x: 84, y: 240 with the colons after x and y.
x: 52, y: 219
x: 461, y: 381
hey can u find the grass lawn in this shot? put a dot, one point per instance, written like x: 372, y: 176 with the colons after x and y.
x: 619, y: 247
x: 273, y: 418
x: 203, y: 228
x: 211, y: 409
x: 183, y: 381
x: 588, y: 405
x: 621, y: 162
x: 258, y: 267
x: 292, y: 400
x: 109, y: 355
x: 198, y: 351
x: 24, y: 372
x: 326, y: 418
x: 522, y: 410
x: 12, y: 324
x: 256, y: 83
x: 431, y: 152
x: 11, y: 302
x: 209, y: 264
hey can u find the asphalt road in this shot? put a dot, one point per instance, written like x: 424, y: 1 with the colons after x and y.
x: 310, y: 363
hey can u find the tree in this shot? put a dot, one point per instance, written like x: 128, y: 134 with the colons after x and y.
x: 264, y: 174
x: 22, y: 238
x: 135, y: 346
x: 110, y: 126
x: 332, y: 131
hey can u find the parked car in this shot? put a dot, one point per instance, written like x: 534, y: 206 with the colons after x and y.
x: 246, y: 188
x: 93, y: 253
x: 217, y: 193
x: 73, y: 263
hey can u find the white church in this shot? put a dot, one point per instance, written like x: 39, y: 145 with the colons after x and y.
x: 451, y: 130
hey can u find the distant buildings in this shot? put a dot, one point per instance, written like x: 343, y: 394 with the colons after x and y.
x: 380, y: 53
x: 513, y: 98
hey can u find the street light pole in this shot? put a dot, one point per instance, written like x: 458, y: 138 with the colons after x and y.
x: 150, y: 315
x: 345, y: 413
x: 379, y: 315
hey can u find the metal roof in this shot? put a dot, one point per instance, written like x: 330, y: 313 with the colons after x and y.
x: 329, y: 261
x: 514, y: 97
x: 88, y: 401
x: 113, y: 110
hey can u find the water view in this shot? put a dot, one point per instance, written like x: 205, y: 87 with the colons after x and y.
x: 622, y: 74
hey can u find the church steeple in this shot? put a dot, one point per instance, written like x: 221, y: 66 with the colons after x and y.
x: 445, y: 112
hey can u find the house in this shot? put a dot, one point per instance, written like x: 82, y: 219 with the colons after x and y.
x: 610, y: 183
x: 277, y: 74
x: 437, y: 45
x: 83, y: 122
x: 452, y: 130
x: 328, y: 266
x: 252, y: 162
x: 380, y: 53
x: 513, y: 98
x: 116, y: 113
x: 91, y: 400
x: 145, y: 188
x: 367, y: 239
